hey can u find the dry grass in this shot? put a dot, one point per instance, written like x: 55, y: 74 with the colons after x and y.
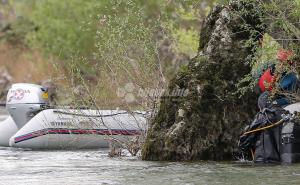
x: 31, y: 66
x: 25, y: 65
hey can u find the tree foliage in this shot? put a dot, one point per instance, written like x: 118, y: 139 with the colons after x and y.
x: 69, y: 28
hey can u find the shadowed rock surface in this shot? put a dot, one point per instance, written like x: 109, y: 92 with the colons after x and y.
x: 205, y: 124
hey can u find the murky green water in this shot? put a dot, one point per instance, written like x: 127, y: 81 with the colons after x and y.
x: 94, y: 167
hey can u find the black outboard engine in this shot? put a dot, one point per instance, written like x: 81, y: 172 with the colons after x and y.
x: 290, y: 141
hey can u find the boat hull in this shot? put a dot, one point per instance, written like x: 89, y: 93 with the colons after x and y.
x: 79, y: 129
x: 7, y: 129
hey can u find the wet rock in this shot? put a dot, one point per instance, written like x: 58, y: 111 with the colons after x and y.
x: 115, y: 152
x: 213, y: 112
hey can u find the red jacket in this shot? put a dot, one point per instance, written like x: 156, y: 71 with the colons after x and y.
x: 266, y: 81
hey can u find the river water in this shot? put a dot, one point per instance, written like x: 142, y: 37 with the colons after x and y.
x: 94, y: 167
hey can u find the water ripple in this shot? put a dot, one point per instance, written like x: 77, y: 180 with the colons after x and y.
x: 93, y: 167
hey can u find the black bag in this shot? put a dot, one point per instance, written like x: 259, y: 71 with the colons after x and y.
x: 267, y: 148
x: 265, y: 144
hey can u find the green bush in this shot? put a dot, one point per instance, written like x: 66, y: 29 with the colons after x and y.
x: 65, y: 28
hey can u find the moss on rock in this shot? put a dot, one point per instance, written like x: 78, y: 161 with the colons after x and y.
x: 205, y: 124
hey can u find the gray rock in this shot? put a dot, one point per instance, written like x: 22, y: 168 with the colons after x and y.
x: 213, y: 113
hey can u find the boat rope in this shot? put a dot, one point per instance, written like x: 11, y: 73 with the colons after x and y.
x: 264, y: 128
x: 97, y: 116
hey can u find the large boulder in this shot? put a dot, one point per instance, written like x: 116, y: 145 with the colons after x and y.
x: 205, y: 124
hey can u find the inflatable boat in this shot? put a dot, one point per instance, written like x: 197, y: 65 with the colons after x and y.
x: 33, y: 124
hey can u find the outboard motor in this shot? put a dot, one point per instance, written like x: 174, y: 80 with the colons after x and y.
x: 290, y: 140
x: 24, y: 101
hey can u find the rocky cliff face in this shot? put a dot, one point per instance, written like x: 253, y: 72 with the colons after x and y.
x: 205, y: 124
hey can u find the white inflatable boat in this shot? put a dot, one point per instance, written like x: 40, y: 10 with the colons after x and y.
x: 31, y: 124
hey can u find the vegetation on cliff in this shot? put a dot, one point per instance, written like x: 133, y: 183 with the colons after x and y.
x: 95, y: 43
x: 205, y: 124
